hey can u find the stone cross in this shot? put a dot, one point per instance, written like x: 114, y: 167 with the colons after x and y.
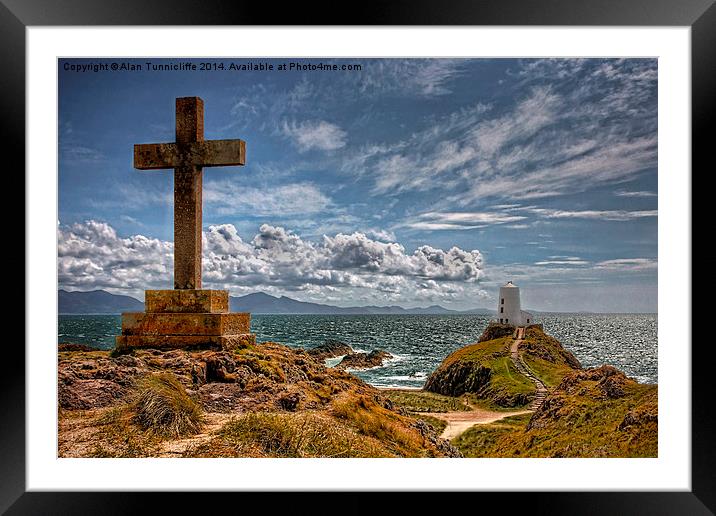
x: 187, y: 156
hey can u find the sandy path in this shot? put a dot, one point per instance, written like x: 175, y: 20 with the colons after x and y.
x: 176, y: 448
x: 458, y: 422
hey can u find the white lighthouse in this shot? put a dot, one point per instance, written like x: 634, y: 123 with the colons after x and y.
x: 509, y: 310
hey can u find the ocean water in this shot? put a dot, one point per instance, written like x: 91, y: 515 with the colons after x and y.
x: 420, y: 342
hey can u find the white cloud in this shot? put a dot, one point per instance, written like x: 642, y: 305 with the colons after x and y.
x: 562, y: 262
x: 628, y: 264
x: 554, y: 140
x: 91, y: 255
x: 229, y: 197
x: 619, y: 215
x: 358, y: 252
x: 513, y: 215
x: 382, y: 235
x: 612, y: 162
x: 316, y: 134
x: 473, y: 217
x: 623, y: 193
x: 530, y: 115
x: 420, y: 77
x: 434, y: 221
x: 80, y: 153
x: 437, y: 226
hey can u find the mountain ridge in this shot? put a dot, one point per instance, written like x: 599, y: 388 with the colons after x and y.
x: 101, y: 302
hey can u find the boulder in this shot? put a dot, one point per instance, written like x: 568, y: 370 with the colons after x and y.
x: 330, y: 349
x: 364, y: 360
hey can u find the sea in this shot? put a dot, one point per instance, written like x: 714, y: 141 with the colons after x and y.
x: 419, y: 343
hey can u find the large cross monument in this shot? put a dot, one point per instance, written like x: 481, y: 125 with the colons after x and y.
x: 187, y: 316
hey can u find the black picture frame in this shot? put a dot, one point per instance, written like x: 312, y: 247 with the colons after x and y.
x: 16, y: 15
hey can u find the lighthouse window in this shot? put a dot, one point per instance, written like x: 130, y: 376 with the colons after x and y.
x: 500, y: 321
x: 502, y: 309
x: 502, y: 301
x: 506, y: 321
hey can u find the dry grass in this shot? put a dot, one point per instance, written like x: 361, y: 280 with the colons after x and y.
x: 374, y: 421
x: 165, y: 409
x: 424, y: 401
x: 584, y: 424
x: 274, y: 434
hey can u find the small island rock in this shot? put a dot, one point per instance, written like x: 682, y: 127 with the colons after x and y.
x: 364, y: 360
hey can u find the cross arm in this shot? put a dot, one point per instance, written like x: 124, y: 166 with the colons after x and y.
x: 206, y: 153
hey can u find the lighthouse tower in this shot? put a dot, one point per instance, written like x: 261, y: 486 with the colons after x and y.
x: 509, y: 310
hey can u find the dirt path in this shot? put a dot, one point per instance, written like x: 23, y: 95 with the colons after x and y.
x: 176, y: 448
x: 524, y: 370
x: 458, y: 422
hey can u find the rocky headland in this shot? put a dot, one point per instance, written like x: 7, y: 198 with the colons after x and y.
x: 596, y: 412
x: 266, y: 400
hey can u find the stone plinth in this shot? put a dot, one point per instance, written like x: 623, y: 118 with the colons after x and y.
x: 186, y: 319
x: 190, y: 301
x: 226, y: 342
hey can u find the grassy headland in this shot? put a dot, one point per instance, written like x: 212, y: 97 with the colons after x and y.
x: 588, y: 413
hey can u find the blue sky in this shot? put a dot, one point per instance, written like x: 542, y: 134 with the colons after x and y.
x: 408, y: 182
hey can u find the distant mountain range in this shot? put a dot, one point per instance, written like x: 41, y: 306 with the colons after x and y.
x: 260, y: 303
x: 102, y: 302
x: 96, y: 302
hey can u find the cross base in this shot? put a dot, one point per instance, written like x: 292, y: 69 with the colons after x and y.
x: 190, y: 319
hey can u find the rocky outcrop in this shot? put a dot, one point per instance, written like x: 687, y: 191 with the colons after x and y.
x: 609, y: 381
x: 265, y: 379
x: 600, y: 384
x: 539, y: 345
x: 458, y: 378
x: 93, y: 380
x: 495, y: 331
x: 441, y: 444
x: 330, y: 349
x: 375, y: 358
x: 72, y: 346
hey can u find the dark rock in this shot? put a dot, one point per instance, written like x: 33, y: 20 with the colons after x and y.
x: 89, y: 394
x: 220, y: 368
x: 496, y: 331
x: 289, y: 401
x: 198, y: 373
x: 71, y: 346
x: 364, y: 360
x: 609, y: 379
x: 443, y: 445
x: 330, y: 349
x: 129, y: 361
x: 459, y: 378
x: 639, y: 417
